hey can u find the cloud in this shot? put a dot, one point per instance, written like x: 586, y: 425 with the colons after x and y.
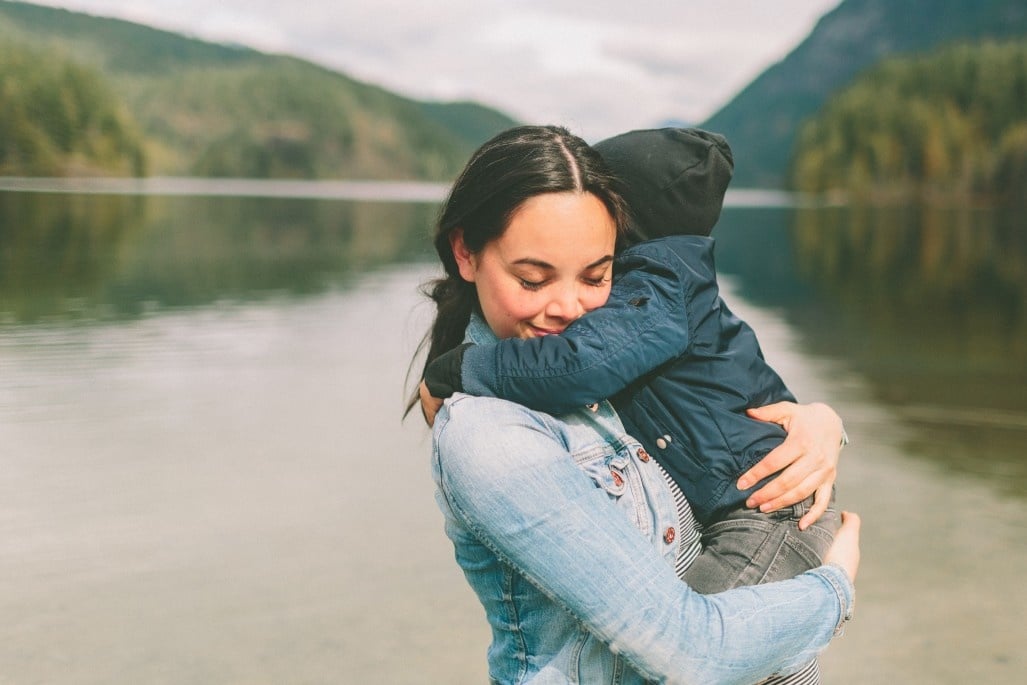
x: 600, y: 66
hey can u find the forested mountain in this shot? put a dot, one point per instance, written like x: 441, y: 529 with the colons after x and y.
x: 219, y: 110
x: 58, y: 118
x: 952, y: 124
x: 762, y: 121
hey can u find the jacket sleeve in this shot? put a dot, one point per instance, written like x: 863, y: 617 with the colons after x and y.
x: 645, y: 323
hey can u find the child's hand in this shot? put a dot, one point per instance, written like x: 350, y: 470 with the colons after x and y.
x: 429, y: 405
x: 805, y: 463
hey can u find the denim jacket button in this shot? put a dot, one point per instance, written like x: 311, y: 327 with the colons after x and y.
x: 669, y: 534
x: 642, y: 454
x: 618, y: 480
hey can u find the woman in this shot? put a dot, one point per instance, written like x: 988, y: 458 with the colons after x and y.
x: 569, y: 584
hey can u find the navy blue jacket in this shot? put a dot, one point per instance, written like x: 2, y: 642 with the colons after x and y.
x: 680, y: 368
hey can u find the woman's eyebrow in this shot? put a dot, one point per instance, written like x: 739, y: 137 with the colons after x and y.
x: 531, y: 261
x: 600, y: 261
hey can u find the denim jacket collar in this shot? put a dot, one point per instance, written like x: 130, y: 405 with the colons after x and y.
x: 478, y: 331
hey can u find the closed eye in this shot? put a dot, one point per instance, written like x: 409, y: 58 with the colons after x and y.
x: 531, y: 285
x: 597, y: 276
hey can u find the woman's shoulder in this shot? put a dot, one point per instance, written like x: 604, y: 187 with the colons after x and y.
x: 475, y: 440
x: 464, y: 414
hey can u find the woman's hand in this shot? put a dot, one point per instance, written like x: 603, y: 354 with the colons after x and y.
x: 844, y: 551
x: 805, y: 463
x: 429, y: 405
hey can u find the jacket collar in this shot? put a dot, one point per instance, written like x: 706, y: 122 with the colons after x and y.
x: 478, y: 331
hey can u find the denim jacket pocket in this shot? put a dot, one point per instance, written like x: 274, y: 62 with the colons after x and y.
x: 609, y: 473
x: 620, y: 479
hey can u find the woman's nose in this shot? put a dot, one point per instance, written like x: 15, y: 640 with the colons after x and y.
x: 565, y: 305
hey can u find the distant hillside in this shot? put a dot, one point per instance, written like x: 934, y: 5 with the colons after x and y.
x: 57, y: 118
x: 218, y: 110
x: 762, y: 121
x: 947, y: 125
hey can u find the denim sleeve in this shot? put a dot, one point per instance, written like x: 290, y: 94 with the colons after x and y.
x: 508, y: 478
x: 644, y: 324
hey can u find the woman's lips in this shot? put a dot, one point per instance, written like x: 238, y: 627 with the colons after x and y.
x: 538, y: 330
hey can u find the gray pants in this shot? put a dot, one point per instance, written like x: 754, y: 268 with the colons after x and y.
x: 748, y: 547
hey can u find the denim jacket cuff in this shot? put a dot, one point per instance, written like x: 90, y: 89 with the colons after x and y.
x: 838, y: 578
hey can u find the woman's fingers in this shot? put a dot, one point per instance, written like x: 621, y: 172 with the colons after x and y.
x: 429, y: 405
x: 800, y: 475
x: 791, y: 495
x: 845, y: 550
x: 792, y: 486
x: 779, y: 413
x: 821, y: 500
x: 777, y: 459
x: 805, y: 462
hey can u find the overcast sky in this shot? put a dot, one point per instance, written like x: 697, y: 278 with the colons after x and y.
x: 596, y: 66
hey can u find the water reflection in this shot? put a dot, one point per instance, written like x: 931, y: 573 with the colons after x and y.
x: 100, y: 257
x: 927, y: 304
x: 56, y: 250
x: 954, y: 279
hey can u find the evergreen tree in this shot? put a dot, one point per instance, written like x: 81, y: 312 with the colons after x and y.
x: 952, y: 123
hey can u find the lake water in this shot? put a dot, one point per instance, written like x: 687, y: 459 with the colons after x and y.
x: 206, y: 479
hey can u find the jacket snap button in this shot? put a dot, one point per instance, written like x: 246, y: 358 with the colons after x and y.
x: 593, y: 407
x: 642, y: 454
x: 668, y: 535
x: 617, y: 479
x: 661, y: 443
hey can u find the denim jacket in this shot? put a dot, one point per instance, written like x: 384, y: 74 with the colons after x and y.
x: 564, y: 528
x: 698, y: 368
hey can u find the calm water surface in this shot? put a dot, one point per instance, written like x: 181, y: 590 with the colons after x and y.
x: 206, y: 479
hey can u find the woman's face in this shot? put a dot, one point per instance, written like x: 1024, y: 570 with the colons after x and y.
x: 552, y: 264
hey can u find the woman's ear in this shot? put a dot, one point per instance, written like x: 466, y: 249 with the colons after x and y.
x: 466, y: 260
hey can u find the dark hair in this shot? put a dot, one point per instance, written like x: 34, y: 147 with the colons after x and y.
x: 514, y: 166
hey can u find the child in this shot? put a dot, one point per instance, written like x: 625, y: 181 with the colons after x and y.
x: 680, y: 368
